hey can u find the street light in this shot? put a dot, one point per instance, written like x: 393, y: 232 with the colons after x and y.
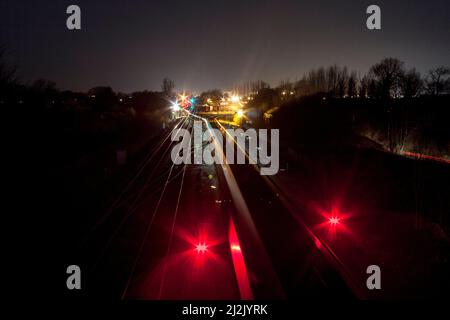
x: 235, y: 99
x: 175, y: 106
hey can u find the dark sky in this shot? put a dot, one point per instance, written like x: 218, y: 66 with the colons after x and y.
x: 131, y: 45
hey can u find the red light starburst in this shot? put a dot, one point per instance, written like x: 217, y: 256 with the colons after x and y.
x: 201, y: 248
x: 334, y: 221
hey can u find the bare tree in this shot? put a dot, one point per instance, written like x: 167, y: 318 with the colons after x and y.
x: 342, y: 81
x: 387, y: 74
x: 285, y: 86
x: 373, y: 89
x: 411, y: 84
x: 321, y: 82
x: 167, y: 87
x: 258, y: 85
x: 301, y: 87
x: 7, y: 74
x: 316, y: 81
x: 364, y: 87
x: 437, y: 80
x: 332, y: 77
x: 352, y: 90
x: 102, y: 98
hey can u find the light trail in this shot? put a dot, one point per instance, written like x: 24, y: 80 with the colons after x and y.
x: 147, y: 231
x: 178, y: 126
x: 129, y: 213
x: 133, y: 207
x: 240, y: 267
x: 133, y: 180
x: 171, y: 235
x: 421, y: 156
x: 244, y: 213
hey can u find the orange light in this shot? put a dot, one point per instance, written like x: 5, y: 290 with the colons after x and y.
x: 183, y: 97
x: 235, y: 247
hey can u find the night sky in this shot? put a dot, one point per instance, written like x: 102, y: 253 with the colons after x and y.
x: 133, y: 45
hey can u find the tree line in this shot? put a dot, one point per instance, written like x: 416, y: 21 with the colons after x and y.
x: 386, y: 79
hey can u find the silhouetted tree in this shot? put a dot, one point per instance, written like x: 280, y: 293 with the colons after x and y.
x: 373, y: 89
x: 265, y: 99
x: 43, y: 86
x: 256, y: 86
x: 44, y: 93
x: 8, y: 79
x: 167, y: 87
x: 364, y: 87
x: 352, y: 86
x: 411, y: 84
x: 148, y: 101
x: 300, y: 87
x: 319, y: 81
x: 332, y: 79
x: 103, y: 98
x: 437, y: 80
x: 285, y: 87
x: 387, y: 74
x: 342, y: 81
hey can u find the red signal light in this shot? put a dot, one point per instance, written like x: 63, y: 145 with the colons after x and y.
x: 201, y: 248
x: 334, y: 221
